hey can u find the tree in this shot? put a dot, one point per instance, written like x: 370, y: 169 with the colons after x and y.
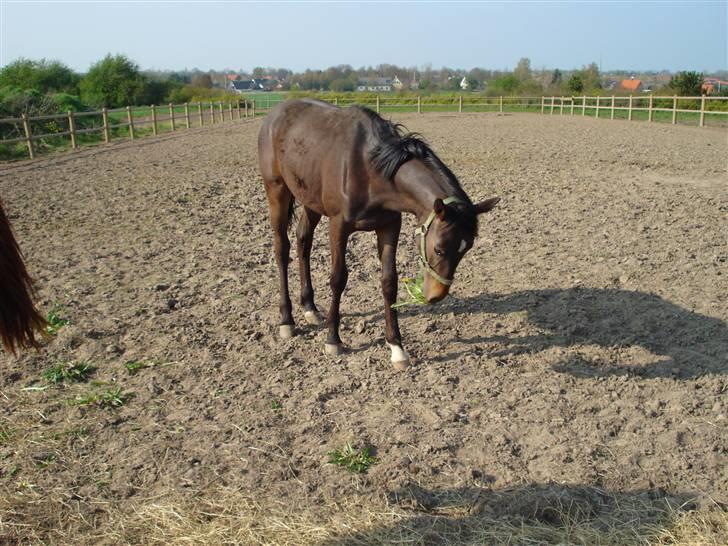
x: 556, y: 77
x: 43, y: 76
x: 687, y: 83
x: 202, y: 80
x: 112, y: 82
x: 342, y: 85
x: 575, y: 84
x: 258, y: 72
x: 523, y: 69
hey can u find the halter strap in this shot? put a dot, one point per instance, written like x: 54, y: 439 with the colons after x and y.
x: 422, y: 232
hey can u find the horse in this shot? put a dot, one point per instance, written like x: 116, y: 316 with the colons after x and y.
x: 362, y: 172
x: 19, y: 318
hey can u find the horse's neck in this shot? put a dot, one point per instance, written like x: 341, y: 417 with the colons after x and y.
x: 417, y: 187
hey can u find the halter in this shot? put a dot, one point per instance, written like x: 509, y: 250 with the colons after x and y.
x: 422, y: 231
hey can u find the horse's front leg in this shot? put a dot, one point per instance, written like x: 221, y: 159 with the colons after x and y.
x: 387, y: 238
x: 339, y: 233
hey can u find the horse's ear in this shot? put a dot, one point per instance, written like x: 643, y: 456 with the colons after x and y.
x: 439, y: 208
x: 488, y: 204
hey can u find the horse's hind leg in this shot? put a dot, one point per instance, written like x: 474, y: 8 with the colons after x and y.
x: 280, y: 204
x: 304, y: 239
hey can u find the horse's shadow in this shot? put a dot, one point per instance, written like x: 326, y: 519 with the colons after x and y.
x: 687, y: 344
x: 527, y: 514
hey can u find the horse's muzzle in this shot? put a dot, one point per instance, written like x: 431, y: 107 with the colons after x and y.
x: 434, y: 290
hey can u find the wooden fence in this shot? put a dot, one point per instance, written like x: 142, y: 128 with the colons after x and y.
x: 132, y: 119
x: 131, y: 122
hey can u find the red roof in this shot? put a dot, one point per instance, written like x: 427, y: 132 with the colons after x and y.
x: 630, y: 85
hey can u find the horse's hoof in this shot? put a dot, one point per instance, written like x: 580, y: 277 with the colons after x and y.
x: 285, y: 331
x: 400, y: 358
x: 313, y: 318
x: 333, y: 349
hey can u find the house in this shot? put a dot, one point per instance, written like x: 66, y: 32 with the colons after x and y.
x: 245, y: 86
x: 374, y: 84
x: 632, y: 85
x: 713, y: 85
x: 397, y: 83
x: 464, y: 84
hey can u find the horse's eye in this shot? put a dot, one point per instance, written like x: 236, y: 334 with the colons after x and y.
x: 439, y: 251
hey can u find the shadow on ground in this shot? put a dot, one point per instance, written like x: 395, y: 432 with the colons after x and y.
x: 689, y: 344
x: 528, y: 514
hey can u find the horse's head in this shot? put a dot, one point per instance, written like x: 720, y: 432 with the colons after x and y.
x: 445, y: 237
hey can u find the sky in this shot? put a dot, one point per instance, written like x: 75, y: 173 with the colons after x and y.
x: 174, y: 35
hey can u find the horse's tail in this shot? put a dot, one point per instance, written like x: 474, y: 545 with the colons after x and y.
x: 19, y: 319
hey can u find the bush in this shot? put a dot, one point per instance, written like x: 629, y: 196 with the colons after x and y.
x: 42, y: 76
x: 113, y: 82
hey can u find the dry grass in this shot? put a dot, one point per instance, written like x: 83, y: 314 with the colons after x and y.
x: 530, y: 515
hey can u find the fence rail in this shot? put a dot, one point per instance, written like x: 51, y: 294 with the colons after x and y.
x: 133, y: 121
x: 118, y: 122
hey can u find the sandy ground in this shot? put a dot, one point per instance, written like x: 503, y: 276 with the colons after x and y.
x: 585, y: 342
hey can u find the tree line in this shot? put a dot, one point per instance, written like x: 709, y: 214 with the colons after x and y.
x: 45, y: 87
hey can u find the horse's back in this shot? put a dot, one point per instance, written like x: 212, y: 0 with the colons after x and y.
x: 310, y: 146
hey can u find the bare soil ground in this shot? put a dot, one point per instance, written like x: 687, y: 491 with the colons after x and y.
x: 576, y: 381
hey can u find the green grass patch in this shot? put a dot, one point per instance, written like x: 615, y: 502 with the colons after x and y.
x: 275, y: 405
x: 414, y: 288
x: 354, y: 460
x: 110, y: 398
x: 68, y: 372
x: 55, y: 320
x: 135, y: 366
x: 6, y: 434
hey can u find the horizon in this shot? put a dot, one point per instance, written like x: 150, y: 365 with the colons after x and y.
x: 217, y: 36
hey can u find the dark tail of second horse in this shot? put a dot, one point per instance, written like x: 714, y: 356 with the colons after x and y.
x: 20, y: 321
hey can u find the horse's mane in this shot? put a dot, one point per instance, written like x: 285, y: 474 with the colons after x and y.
x: 395, y: 147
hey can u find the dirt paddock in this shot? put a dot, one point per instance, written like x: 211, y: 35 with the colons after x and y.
x: 573, y: 389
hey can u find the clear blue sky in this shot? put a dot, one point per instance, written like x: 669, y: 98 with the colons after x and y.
x: 297, y: 35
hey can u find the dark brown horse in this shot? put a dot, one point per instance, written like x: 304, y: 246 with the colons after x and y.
x: 363, y: 173
x: 19, y: 319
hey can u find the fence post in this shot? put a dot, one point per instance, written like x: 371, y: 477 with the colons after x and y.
x: 105, y: 119
x: 649, y: 116
x: 28, y: 137
x: 500, y: 104
x: 130, y: 121
x: 212, y: 113
x: 583, y: 105
x: 597, y: 114
x: 230, y: 110
x: 154, y: 119
x: 222, y: 112
x: 572, y: 106
x: 629, y: 112
x: 237, y: 107
x: 377, y: 104
x: 561, y: 106
x: 551, y: 112
x: 187, y: 115
x: 199, y: 113
x: 674, y: 109
x: 72, y: 129
x: 702, y: 110
x: 460, y: 104
x: 336, y: 101
x: 171, y: 116
x: 612, y: 113
x: 245, y: 105
x: 419, y: 104
x: 253, y: 108
x: 543, y: 103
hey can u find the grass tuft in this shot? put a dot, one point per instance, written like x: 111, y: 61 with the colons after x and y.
x: 110, y: 398
x: 415, y: 292
x: 354, y: 460
x: 55, y: 320
x: 134, y: 366
x: 74, y: 371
